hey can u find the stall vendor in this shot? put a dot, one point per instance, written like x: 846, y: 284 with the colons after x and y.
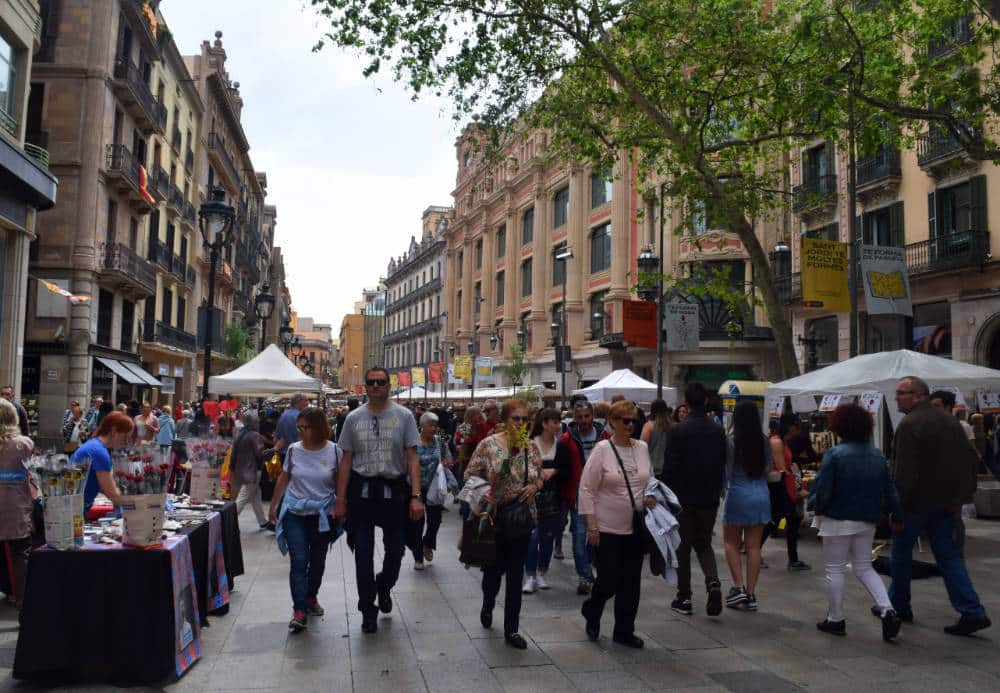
x: 112, y: 434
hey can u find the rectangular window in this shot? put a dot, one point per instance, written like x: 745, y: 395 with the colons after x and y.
x: 830, y: 232
x: 600, y: 248
x: 501, y: 241
x: 167, y: 307
x: 883, y: 226
x: 528, y: 226
x: 128, y: 324
x: 8, y: 84
x: 105, y: 315
x: 133, y: 234
x: 458, y: 305
x: 500, y: 288
x: 560, y: 204
x: 477, y: 298
x: 461, y: 261
x: 558, y: 266
x: 600, y: 188
x: 526, y: 278
x: 479, y: 254
x: 181, y: 313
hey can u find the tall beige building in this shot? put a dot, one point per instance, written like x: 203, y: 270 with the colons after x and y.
x: 26, y: 186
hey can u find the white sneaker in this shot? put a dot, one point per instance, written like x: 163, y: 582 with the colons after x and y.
x: 530, y: 585
x: 542, y: 584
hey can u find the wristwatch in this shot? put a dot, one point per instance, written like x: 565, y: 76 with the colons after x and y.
x: 415, y: 495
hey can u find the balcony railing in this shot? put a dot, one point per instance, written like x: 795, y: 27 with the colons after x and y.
x: 158, y: 332
x: 814, y: 193
x: 151, y: 114
x: 960, y: 32
x: 190, y: 216
x: 937, y: 143
x: 241, y: 301
x: 8, y: 123
x: 958, y: 250
x: 878, y: 167
x: 421, y: 327
x: 176, y: 199
x: 121, y: 162
x: 415, y: 295
x: 175, y: 139
x: 159, y: 183
x: 215, y: 144
x: 190, y: 277
x: 178, y: 267
x: 189, y: 160
x: 128, y: 268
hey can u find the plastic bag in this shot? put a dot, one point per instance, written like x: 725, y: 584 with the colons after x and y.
x: 438, y: 491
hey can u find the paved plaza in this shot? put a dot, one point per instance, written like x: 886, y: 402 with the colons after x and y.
x: 433, y: 640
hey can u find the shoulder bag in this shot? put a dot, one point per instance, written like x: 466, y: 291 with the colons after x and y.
x: 638, y: 516
x: 514, y: 518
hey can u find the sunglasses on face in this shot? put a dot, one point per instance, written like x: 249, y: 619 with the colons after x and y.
x: 376, y: 382
x: 628, y: 422
x: 519, y: 419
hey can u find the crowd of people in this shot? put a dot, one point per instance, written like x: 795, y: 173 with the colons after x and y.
x: 604, y: 472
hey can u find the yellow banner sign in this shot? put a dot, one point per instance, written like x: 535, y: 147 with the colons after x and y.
x: 824, y: 275
x: 417, y: 375
x: 393, y: 381
x: 463, y: 367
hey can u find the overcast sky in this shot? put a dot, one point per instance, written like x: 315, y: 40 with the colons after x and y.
x: 351, y: 163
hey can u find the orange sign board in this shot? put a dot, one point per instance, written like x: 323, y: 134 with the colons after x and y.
x: 639, y: 323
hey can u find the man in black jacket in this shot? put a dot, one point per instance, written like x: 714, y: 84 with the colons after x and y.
x: 695, y: 469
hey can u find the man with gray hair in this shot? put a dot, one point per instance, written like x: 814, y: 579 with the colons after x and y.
x: 935, y: 470
x: 285, y: 432
x: 249, y: 454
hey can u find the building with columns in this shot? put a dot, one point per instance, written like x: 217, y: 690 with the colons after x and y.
x: 26, y: 186
x: 414, y: 287
x: 502, y: 274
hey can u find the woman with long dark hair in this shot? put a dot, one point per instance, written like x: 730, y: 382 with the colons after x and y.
x: 548, y: 502
x: 654, y: 434
x: 748, y: 502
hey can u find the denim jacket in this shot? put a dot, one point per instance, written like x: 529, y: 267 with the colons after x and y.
x: 852, y: 483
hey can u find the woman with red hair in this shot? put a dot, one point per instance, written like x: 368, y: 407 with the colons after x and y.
x: 112, y: 433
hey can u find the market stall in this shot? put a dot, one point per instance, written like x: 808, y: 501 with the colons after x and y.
x: 626, y: 383
x: 268, y: 373
x: 481, y: 394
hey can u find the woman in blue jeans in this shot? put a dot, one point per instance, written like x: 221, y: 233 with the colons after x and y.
x: 305, y: 528
x: 548, y: 502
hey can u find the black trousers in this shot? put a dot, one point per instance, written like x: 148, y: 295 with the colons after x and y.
x: 792, y: 524
x: 696, y: 525
x: 417, y: 540
x: 364, y: 514
x: 618, y: 562
x: 510, y: 568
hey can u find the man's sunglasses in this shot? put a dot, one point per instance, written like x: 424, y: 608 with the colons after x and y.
x: 376, y: 382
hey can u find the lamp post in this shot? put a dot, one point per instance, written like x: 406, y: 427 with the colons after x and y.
x: 451, y: 350
x: 648, y: 263
x: 522, y: 343
x: 285, y: 335
x: 354, y: 376
x: 215, y: 221
x: 263, y: 305
x: 473, y: 350
x: 563, y: 340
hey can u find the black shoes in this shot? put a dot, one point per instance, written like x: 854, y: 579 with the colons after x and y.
x: 904, y: 616
x: 516, y: 641
x: 584, y: 586
x: 269, y: 526
x: 593, y: 625
x: 630, y: 640
x: 714, y: 607
x: 798, y: 566
x: 369, y: 623
x: 967, y: 625
x: 486, y: 617
x: 682, y: 605
x: 751, y: 601
x: 737, y: 597
x: 891, y: 623
x: 384, y: 602
x: 833, y: 627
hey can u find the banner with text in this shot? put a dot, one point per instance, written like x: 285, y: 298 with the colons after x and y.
x: 393, y: 381
x: 824, y: 275
x: 887, y: 285
x: 435, y: 372
x: 680, y: 321
x: 417, y: 375
x: 404, y: 378
x: 463, y: 367
x: 484, y: 366
x: 639, y: 323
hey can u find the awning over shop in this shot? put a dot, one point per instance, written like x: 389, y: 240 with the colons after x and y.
x: 131, y: 373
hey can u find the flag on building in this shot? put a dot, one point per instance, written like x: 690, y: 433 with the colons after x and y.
x: 73, y: 298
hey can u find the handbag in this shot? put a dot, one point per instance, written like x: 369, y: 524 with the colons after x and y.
x: 514, y: 518
x: 478, y: 545
x: 639, y: 527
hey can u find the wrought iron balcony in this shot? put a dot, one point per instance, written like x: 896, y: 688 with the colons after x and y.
x: 953, y: 251
x: 936, y: 146
x: 159, y: 332
x: 122, y: 168
x: 814, y: 194
x: 422, y: 327
x: 159, y: 183
x: 130, y: 86
x: 175, y: 200
x: 414, y: 296
x: 190, y: 217
x: 878, y: 169
x: 959, y: 33
x: 190, y: 276
x: 217, y: 148
x: 123, y: 267
x: 8, y: 123
x: 178, y: 267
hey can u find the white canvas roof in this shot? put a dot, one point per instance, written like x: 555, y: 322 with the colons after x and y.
x: 626, y: 383
x: 881, y: 372
x: 269, y: 373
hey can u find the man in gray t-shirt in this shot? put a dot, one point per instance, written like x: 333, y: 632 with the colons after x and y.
x: 378, y: 485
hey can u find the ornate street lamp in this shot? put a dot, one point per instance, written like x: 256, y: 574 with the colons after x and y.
x: 285, y: 335
x: 263, y: 305
x: 215, y: 220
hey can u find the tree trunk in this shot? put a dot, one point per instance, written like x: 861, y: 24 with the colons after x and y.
x: 764, y: 280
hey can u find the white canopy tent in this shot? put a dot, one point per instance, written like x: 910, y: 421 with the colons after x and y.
x: 626, y: 383
x: 416, y: 392
x: 268, y: 373
x: 880, y: 372
x: 483, y: 393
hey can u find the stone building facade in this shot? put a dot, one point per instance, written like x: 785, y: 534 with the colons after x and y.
x: 415, y: 320
x: 26, y: 185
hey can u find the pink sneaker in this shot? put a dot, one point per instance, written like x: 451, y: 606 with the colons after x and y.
x: 299, y: 621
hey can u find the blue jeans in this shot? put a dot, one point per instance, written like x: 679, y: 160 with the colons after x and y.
x: 941, y: 528
x: 581, y: 549
x: 307, y: 548
x: 543, y: 538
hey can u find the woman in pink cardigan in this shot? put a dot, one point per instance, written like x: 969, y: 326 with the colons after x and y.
x: 611, y: 499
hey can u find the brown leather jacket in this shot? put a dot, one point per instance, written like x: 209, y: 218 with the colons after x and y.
x: 934, y: 465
